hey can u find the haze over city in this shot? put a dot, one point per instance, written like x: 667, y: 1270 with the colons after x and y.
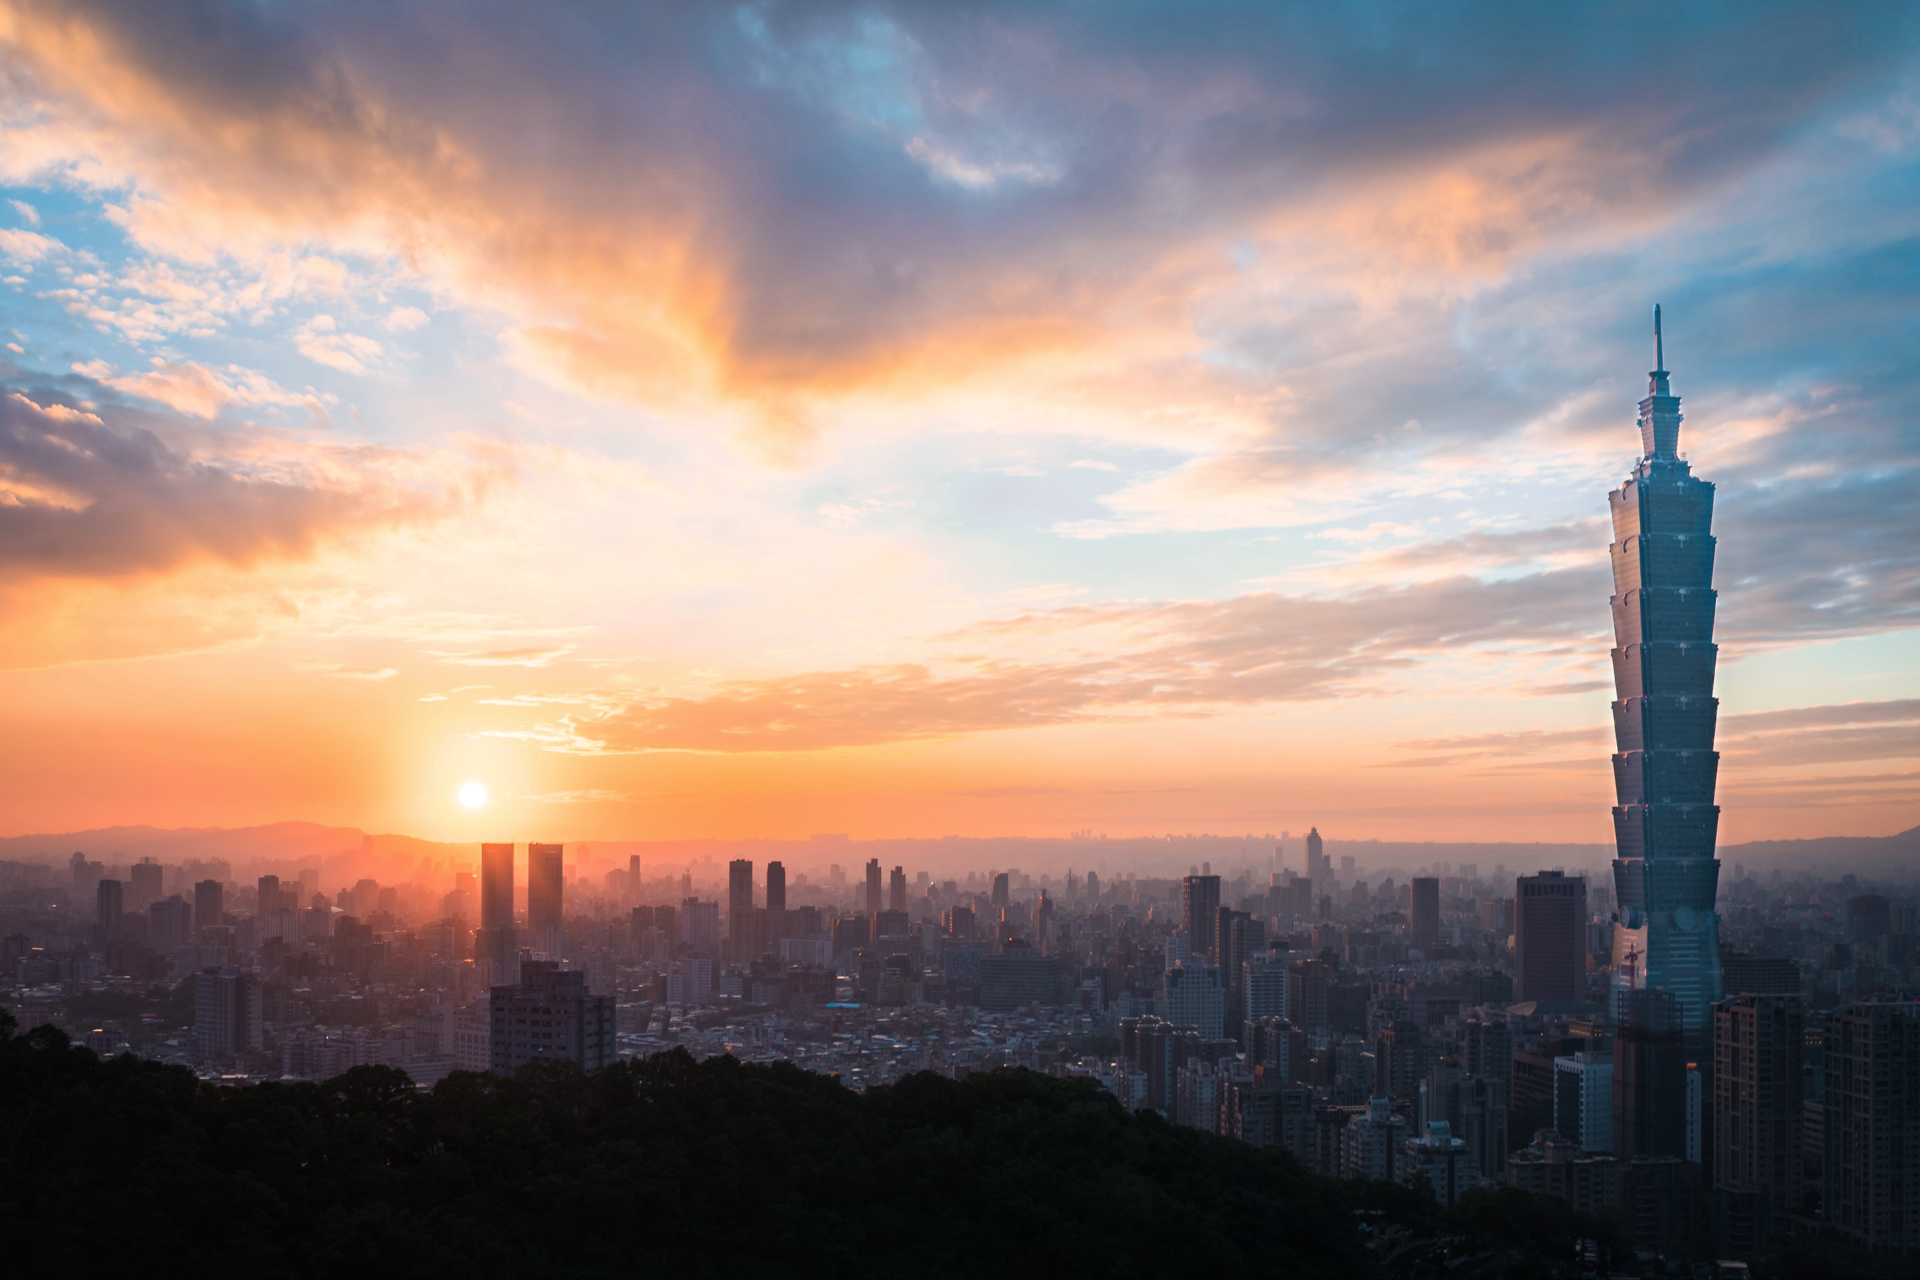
x: 1273, y: 637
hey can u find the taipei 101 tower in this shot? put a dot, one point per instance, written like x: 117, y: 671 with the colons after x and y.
x: 1666, y: 875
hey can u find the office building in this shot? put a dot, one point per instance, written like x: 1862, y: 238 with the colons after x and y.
x: 1200, y: 914
x: 546, y: 883
x: 1016, y: 978
x: 209, y: 904
x: 740, y: 930
x: 1649, y: 1077
x: 227, y: 1018
x: 1666, y: 822
x: 1424, y: 916
x: 549, y: 1016
x: 1002, y: 894
x: 108, y: 906
x: 1757, y: 1117
x: 1550, y: 937
x: 1309, y: 993
x: 1870, y: 1086
x: 897, y: 890
x: 1263, y: 986
x: 874, y: 903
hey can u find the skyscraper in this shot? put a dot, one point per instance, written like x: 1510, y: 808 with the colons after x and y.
x: 1318, y: 867
x: 1425, y: 916
x: 1200, y: 914
x: 873, y: 886
x: 897, y: 890
x: 740, y: 909
x: 1550, y: 937
x: 497, y: 943
x: 776, y: 904
x: 546, y: 882
x: 209, y: 904
x: 496, y: 886
x: 1666, y: 822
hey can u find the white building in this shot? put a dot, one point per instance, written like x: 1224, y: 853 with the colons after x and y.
x: 1583, y: 1100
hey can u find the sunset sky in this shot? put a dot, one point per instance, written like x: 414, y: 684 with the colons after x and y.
x: 922, y: 419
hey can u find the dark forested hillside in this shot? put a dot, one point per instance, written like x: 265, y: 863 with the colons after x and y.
x: 665, y: 1166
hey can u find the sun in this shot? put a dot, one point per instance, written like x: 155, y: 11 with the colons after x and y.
x: 473, y: 795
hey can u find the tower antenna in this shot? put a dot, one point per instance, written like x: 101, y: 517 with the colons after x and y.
x: 1659, y: 350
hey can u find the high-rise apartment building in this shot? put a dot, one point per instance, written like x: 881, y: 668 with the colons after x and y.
x: 1649, y: 1077
x: 1666, y: 822
x: 546, y: 885
x: 1757, y: 1117
x: 1424, y: 917
x: 897, y: 890
x: 1871, y: 1094
x: 1200, y: 914
x: 227, y: 1018
x: 1550, y: 937
x: 1192, y: 994
x: 874, y: 904
x: 550, y: 1016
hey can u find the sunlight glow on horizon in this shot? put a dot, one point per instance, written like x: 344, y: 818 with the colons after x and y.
x: 473, y: 795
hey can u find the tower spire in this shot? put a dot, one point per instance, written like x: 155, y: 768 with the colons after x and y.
x: 1659, y: 351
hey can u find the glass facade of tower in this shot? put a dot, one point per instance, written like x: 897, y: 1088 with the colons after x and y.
x: 1666, y: 821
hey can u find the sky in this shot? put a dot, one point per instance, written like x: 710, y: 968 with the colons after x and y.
x: 748, y: 420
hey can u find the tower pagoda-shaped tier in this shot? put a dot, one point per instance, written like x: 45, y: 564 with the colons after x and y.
x: 1665, y: 767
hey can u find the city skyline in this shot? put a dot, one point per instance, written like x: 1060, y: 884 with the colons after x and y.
x: 747, y: 422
